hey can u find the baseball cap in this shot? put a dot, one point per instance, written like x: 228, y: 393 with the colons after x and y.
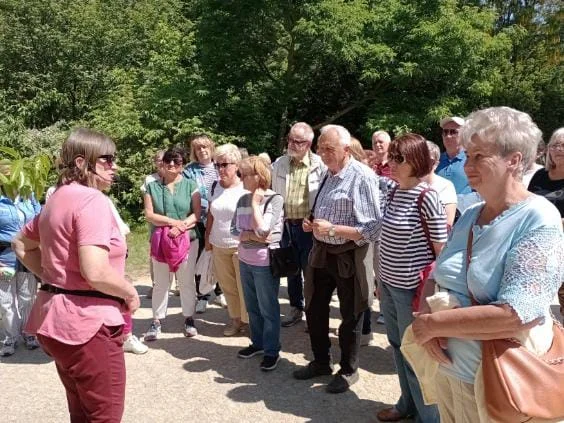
x: 456, y: 119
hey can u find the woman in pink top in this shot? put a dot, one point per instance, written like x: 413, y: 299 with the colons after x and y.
x: 76, y: 248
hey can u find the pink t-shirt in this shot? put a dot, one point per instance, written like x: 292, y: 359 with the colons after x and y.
x: 74, y: 216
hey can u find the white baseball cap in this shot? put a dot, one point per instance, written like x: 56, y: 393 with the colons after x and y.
x: 456, y: 119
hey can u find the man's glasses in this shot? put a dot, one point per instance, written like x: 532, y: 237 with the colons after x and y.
x: 222, y: 165
x: 450, y: 132
x: 397, y: 158
x: 110, y: 159
x: 296, y: 141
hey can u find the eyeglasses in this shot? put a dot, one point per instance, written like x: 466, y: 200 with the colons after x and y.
x: 222, y: 165
x: 449, y: 132
x: 296, y: 141
x: 173, y: 162
x: 109, y: 159
x: 556, y: 147
x: 397, y: 158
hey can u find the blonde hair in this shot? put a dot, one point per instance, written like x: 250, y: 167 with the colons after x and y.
x: 201, y: 139
x: 557, y: 136
x: 231, y: 151
x: 89, y: 145
x: 264, y: 156
x: 255, y: 165
x: 357, y: 151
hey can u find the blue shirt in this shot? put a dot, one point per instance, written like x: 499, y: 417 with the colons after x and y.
x: 351, y: 198
x: 517, y: 259
x: 13, y: 216
x: 453, y: 170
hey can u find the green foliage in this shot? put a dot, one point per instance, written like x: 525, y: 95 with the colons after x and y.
x: 23, y: 176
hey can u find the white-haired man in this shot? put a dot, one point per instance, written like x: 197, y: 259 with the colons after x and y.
x: 451, y: 163
x: 380, y: 143
x: 345, y: 221
x: 296, y: 176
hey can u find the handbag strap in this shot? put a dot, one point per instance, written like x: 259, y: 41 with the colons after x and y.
x: 311, y: 215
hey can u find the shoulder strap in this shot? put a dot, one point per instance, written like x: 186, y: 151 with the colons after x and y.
x: 317, y: 195
x: 420, y: 199
x: 214, y: 185
x: 267, y: 202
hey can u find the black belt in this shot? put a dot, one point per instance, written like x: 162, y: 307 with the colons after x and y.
x: 295, y: 221
x: 80, y: 292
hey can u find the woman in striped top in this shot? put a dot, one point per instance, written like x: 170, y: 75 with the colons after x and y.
x: 414, y: 230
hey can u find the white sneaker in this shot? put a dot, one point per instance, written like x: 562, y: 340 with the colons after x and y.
x: 220, y: 301
x: 201, y: 306
x: 134, y: 345
x: 380, y: 319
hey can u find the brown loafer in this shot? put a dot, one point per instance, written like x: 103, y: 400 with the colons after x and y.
x: 390, y: 415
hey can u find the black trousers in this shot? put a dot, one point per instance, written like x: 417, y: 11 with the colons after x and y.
x: 325, y: 281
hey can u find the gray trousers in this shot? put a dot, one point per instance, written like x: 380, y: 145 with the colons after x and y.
x: 16, y: 299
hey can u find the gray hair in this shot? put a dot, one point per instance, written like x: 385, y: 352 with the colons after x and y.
x: 342, y: 132
x: 434, y: 151
x: 303, y: 129
x: 230, y: 151
x: 557, y: 136
x: 383, y: 134
x: 509, y: 129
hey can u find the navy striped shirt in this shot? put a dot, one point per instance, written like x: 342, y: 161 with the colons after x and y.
x: 404, y: 249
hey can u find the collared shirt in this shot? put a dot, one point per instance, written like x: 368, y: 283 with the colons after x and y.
x: 297, y: 202
x: 351, y: 198
x: 382, y: 169
x: 453, y: 170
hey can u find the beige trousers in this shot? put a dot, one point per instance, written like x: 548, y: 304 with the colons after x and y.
x: 226, y: 271
x: 461, y: 402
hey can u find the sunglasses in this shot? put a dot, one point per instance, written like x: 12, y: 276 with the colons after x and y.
x: 110, y: 159
x: 222, y: 165
x: 397, y: 158
x: 448, y: 132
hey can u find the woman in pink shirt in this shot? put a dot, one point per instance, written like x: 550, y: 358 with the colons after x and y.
x: 76, y: 248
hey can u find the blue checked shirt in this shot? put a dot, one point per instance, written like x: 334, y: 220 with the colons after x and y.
x: 351, y: 198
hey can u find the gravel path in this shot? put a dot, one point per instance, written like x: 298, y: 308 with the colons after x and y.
x: 202, y: 380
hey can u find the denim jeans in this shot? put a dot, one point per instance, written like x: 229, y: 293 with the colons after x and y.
x: 260, y: 290
x: 302, y: 243
x: 395, y: 304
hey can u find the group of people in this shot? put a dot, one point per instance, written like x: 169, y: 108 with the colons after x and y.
x: 387, y: 224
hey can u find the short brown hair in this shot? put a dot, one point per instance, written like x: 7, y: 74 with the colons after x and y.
x: 413, y: 148
x: 254, y: 165
x: 88, y: 144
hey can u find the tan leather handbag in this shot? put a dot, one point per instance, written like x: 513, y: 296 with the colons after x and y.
x: 519, y: 385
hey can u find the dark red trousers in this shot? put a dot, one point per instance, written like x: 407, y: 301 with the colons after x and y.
x: 93, y: 375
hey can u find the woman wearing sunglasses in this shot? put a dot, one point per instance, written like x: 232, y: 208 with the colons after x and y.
x: 414, y: 230
x: 173, y: 202
x: 74, y: 245
x: 223, y: 201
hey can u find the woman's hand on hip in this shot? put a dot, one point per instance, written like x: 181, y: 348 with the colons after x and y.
x: 133, y: 303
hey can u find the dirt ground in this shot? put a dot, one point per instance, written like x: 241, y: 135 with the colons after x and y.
x: 202, y: 380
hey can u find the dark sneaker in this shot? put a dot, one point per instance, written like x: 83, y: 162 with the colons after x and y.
x: 313, y: 369
x: 249, y: 352
x: 342, y: 382
x: 295, y: 317
x: 269, y: 363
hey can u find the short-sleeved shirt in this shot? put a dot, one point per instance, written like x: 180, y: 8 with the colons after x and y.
x: 453, y: 170
x: 222, y: 208
x: 177, y: 204
x: 552, y: 190
x: 517, y: 259
x: 382, y: 169
x: 404, y: 248
x: 445, y: 189
x: 75, y: 216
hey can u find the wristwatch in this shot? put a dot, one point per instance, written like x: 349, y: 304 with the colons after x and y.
x: 332, y: 231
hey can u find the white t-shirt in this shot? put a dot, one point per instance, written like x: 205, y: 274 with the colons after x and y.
x: 445, y: 189
x: 222, y: 207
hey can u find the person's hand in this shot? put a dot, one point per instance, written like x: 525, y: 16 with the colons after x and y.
x: 208, y: 246
x: 132, y: 303
x: 258, y: 195
x: 174, y: 232
x: 321, y: 227
x: 421, y: 331
x: 377, y: 292
x: 307, y: 226
x: 436, y: 348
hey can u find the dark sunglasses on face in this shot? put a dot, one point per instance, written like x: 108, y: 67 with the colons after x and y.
x: 222, y: 165
x: 177, y: 162
x: 397, y: 158
x: 447, y: 132
x: 110, y: 159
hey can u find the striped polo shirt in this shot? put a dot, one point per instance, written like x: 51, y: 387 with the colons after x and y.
x: 404, y: 250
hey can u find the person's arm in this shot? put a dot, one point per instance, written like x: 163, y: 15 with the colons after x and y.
x: 28, y: 252
x: 209, y: 224
x: 193, y: 218
x: 95, y: 268
x: 450, y: 210
x: 158, y: 219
